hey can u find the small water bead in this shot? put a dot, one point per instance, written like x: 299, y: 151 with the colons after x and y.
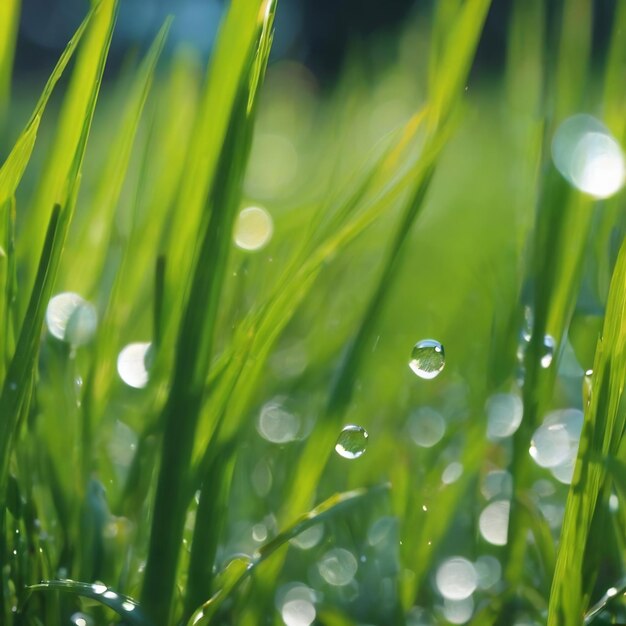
x: 426, y: 427
x: 613, y: 503
x: 548, y: 351
x: 494, y: 522
x: 504, y: 415
x: 253, y: 228
x: 338, y: 567
x: 427, y: 358
x: 298, y: 613
x: 456, y: 579
x: 588, y: 157
x: 352, y: 442
x: 587, y: 382
x: 72, y: 319
x: 133, y: 364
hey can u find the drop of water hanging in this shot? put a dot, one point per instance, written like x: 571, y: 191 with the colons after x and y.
x: 132, y: 364
x: 427, y: 358
x: 352, y: 442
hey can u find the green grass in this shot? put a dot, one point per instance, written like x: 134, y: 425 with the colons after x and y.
x: 412, y: 201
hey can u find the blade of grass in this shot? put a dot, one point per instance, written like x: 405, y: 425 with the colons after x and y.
x: 9, y: 20
x: 603, y: 430
x: 195, y: 341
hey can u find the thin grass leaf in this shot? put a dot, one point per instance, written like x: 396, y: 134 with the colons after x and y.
x: 15, y: 164
x: 603, y: 429
x: 125, y: 607
x: 242, y: 569
x: 9, y: 20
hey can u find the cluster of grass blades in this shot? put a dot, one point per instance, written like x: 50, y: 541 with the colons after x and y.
x: 167, y: 436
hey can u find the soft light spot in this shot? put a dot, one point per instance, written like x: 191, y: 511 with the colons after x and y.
x: 452, y: 473
x: 276, y: 424
x: 488, y: 570
x: 109, y: 595
x: 494, y: 522
x: 98, y: 588
x: 298, y: 613
x: 132, y: 365
x: 426, y: 427
x: 456, y: 579
x: 498, y: 483
x: 586, y: 155
x: 613, y: 503
x: 72, y: 319
x: 504, y: 415
x: 338, y: 567
x: 458, y: 611
x: 259, y: 532
x: 308, y: 538
x: 253, y: 228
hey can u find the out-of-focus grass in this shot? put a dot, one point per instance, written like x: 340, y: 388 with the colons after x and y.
x: 413, y: 201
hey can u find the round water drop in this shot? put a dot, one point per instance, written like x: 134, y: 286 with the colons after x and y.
x: 253, y: 228
x: 426, y: 427
x: 548, y: 351
x: 352, y: 442
x: 456, y: 579
x: 132, y: 364
x: 586, y: 155
x: 98, y: 588
x: 276, y: 424
x: 494, y: 522
x: 72, y: 319
x: 338, y: 567
x: 298, y: 613
x: 427, y: 358
x: 504, y: 415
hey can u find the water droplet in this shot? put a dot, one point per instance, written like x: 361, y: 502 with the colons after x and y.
x: 129, y: 606
x: 494, y: 522
x: 456, y: 579
x: 613, y: 503
x: 587, y: 383
x: 352, y: 442
x: 452, y: 473
x: 98, y: 588
x: 504, y: 415
x: 308, y: 538
x: 587, y: 156
x: 70, y: 318
x: 426, y: 427
x: 276, y: 424
x: 253, y: 228
x: 338, y: 567
x: 548, y: 351
x: 132, y: 364
x: 109, y: 595
x: 427, y: 358
x: 259, y: 532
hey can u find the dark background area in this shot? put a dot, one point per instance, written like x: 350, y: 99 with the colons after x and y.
x: 316, y: 32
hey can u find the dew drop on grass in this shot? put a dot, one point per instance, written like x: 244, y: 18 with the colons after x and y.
x: 338, y: 567
x: 133, y: 364
x: 253, y: 228
x: 352, y: 442
x: 456, y: 579
x: 70, y: 318
x: 548, y: 351
x: 427, y: 358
